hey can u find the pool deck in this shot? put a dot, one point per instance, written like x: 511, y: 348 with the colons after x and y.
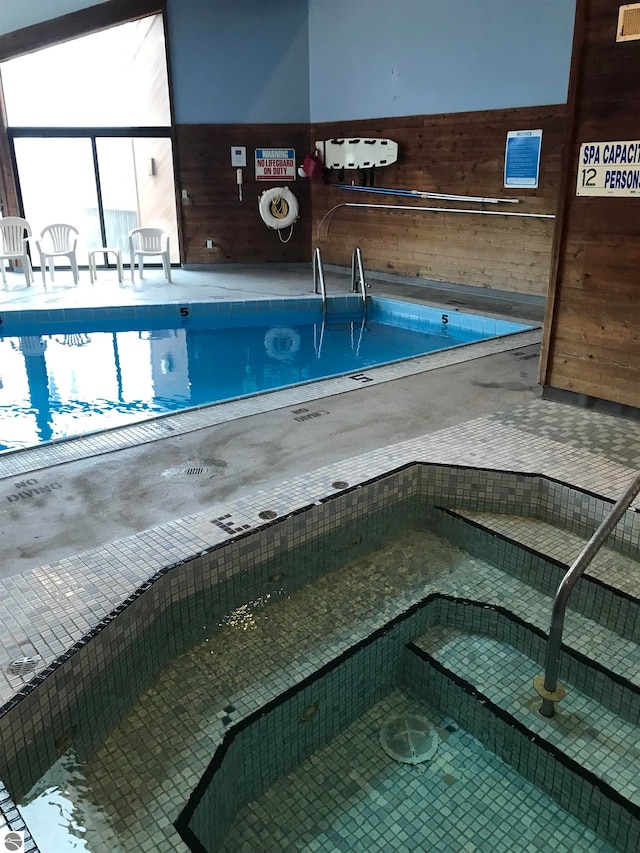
x: 124, y: 507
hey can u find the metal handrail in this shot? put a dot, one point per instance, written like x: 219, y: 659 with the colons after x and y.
x: 355, y: 347
x: 547, y: 685
x: 318, y: 277
x: 318, y: 340
x: 356, y: 260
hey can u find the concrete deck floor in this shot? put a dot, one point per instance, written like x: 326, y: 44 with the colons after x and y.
x: 483, y: 411
x: 117, y: 494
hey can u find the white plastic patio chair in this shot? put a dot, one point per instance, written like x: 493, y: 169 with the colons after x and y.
x: 57, y: 241
x: 15, y: 233
x: 149, y: 242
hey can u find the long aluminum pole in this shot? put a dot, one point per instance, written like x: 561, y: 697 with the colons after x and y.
x: 554, y: 644
x: 424, y: 194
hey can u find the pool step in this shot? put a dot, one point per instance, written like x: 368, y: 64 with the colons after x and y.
x: 608, y: 566
x: 539, y: 553
x: 478, y: 663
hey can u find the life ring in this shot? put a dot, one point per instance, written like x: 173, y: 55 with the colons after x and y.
x: 281, y: 343
x: 278, y: 207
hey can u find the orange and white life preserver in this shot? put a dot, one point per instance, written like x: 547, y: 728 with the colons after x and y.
x: 278, y: 207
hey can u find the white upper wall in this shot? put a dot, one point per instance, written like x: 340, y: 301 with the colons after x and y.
x: 378, y: 58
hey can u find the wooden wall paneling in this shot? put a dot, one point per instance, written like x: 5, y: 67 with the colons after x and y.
x: 213, y: 209
x: 462, y: 154
x: 611, y: 381
x: 591, y: 346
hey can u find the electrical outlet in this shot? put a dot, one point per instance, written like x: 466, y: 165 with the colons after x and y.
x: 209, y: 244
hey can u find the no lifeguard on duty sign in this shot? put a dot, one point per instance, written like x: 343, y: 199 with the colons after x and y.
x: 275, y: 164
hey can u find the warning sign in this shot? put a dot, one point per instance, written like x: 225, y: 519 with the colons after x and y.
x: 609, y: 169
x: 275, y: 164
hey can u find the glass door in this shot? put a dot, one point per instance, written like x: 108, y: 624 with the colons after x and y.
x: 137, y: 188
x: 98, y: 156
x: 57, y: 184
x: 129, y: 184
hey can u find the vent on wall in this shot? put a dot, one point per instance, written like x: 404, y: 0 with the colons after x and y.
x: 629, y: 22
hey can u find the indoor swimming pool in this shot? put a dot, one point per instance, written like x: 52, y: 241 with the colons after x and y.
x: 67, y: 373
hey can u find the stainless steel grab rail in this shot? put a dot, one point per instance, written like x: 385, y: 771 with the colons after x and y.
x: 319, y: 338
x: 358, y: 284
x: 547, y: 685
x: 318, y: 277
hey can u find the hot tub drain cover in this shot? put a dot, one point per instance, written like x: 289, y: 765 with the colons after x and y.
x: 410, y: 739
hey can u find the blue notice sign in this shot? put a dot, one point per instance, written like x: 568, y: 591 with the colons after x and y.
x: 522, y: 158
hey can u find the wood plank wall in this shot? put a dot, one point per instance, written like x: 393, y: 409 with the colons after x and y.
x: 213, y: 209
x: 456, y: 153
x: 592, y: 328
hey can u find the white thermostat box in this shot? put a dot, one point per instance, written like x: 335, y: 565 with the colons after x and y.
x: 238, y: 155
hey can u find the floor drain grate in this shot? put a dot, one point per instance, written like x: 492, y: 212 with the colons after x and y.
x: 191, y: 469
x: 410, y: 739
x: 339, y: 484
x: 23, y: 666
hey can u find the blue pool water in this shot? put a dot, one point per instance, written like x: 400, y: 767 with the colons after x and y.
x: 65, y: 373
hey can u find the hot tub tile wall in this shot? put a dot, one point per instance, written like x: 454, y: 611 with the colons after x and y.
x: 443, y: 484
x: 603, y: 604
x: 475, y: 488
x: 280, y: 736
x: 513, y: 746
x: 516, y: 745
x: 46, y: 713
x: 620, y: 696
x: 581, y: 513
x: 450, y: 485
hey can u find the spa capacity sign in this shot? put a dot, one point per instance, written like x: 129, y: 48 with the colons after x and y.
x: 275, y: 164
x: 609, y: 169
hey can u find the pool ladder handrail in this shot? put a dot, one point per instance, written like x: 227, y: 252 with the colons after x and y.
x: 358, y: 283
x: 547, y: 685
x: 318, y: 277
x: 318, y: 337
